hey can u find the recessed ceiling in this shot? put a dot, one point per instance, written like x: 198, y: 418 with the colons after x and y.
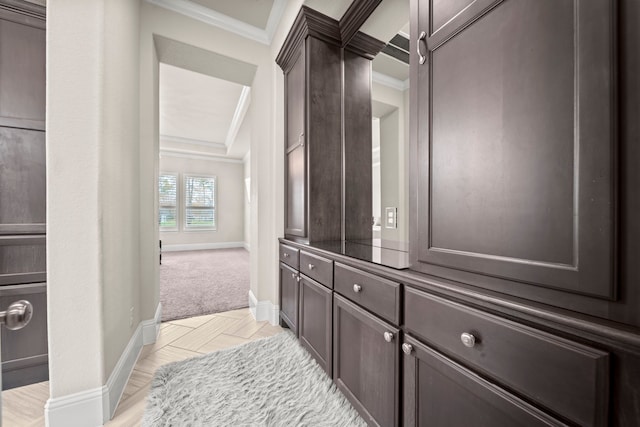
x: 196, y: 107
x: 253, y: 12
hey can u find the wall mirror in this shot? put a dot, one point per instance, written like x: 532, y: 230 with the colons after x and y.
x: 390, y: 126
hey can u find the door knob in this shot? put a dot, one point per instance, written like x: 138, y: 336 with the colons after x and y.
x: 17, y: 316
x: 311, y: 266
x: 357, y: 288
x: 407, y: 348
x: 388, y: 336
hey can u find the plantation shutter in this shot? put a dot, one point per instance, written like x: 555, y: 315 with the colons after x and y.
x: 167, y: 200
x: 200, y: 202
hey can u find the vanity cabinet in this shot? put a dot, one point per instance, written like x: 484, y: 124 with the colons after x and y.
x: 366, y: 362
x: 315, y: 321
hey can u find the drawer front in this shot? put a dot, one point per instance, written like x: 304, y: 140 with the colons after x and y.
x: 289, y: 255
x: 318, y: 268
x: 380, y: 296
x: 440, y: 392
x: 568, y: 378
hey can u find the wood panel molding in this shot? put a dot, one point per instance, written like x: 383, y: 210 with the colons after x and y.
x: 356, y: 15
x: 365, y: 45
x: 24, y: 8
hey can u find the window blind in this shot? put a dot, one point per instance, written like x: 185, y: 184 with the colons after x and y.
x: 200, y: 202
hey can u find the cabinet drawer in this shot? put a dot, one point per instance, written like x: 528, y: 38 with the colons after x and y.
x: 568, y: 378
x: 439, y: 392
x: 380, y: 296
x: 289, y: 255
x: 318, y: 268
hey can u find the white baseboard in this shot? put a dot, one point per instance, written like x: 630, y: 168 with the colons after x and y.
x: 263, y: 310
x: 96, y: 406
x: 201, y: 246
x: 247, y: 246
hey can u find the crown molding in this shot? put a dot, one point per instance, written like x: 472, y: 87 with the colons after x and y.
x: 356, y: 15
x: 309, y: 22
x: 194, y: 155
x: 181, y: 140
x: 364, y: 45
x: 389, y: 81
x: 238, y: 116
x: 225, y: 22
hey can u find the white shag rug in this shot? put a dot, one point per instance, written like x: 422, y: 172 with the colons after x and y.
x: 268, y: 382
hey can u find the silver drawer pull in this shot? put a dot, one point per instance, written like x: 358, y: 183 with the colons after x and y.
x: 297, y: 278
x: 17, y: 316
x: 286, y: 255
x: 293, y: 275
x: 357, y: 288
x: 407, y: 348
x: 468, y: 340
x: 388, y: 336
x: 311, y: 266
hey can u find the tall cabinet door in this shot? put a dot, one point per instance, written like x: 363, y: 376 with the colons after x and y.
x: 514, y: 144
x: 23, y: 188
x: 295, y: 152
x: 366, y: 364
x: 315, y: 321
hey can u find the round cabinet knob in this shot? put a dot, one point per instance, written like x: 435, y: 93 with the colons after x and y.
x: 407, y: 348
x: 357, y: 288
x: 297, y: 278
x: 286, y: 255
x: 388, y: 336
x: 311, y: 266
x: 468, y: 340
x: 293, y: 275
x: 18, y: 315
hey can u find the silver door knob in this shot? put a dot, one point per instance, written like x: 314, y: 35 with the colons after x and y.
x: 297, y: 278
x: 17, y: 316
x: 388, y: 336
x: 286, y: 255
x: 311, y: 266
x: 357, y: 288
x: 293, y: 275
x: 467, y: 339
x: 407, y: 348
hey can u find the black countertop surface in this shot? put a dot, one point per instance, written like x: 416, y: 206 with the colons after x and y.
x: 383, y: 252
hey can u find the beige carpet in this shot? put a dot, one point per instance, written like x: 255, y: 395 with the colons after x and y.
x: 193, y: 283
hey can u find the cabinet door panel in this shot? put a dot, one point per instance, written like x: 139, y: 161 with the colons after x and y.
x: 439, y: 392
x: 365, y: 365
x: 515, y: 144
x: 315, y: 321
x: 289, y: 297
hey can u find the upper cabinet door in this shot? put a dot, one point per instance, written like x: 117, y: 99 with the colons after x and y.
x: 296, y: 218
x: 514, y: 142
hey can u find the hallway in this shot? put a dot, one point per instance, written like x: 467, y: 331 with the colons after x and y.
x: 178, y: 340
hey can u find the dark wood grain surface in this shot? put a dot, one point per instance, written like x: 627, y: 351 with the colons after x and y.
x: 316, y: 318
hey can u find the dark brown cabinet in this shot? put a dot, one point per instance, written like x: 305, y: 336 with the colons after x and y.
x: 311, y: 61
x: 289, y: 295
x: 439, y: 392
x: 366, y: 365
x: 314, y: 326
x: 23, y: 188
x: 514, y: 143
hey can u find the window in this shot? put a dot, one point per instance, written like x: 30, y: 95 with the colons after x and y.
x: 199, y: 202
x: 168, y: 198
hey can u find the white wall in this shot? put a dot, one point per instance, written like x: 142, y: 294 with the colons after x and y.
x: 247, y: 200
x: 229, y: 201
x: 93, y: 252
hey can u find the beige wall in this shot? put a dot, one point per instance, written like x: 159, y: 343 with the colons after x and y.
x: 229, y: 201
x: 92, y: 180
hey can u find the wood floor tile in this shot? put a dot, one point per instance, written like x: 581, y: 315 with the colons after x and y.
x: 205, y: 333
x: 245, y: 327
x: 23, y: 406
x: 137, y: 380
x: 192, y: 322
x: 221, y: 342
x: 267, y: 330
x: 130, y: 411
x: 163, y: 356
x: 169, y: 334
x: 236, y: 314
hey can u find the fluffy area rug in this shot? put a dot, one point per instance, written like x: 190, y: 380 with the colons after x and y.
x: 268, y: 382
x: 194, y: 283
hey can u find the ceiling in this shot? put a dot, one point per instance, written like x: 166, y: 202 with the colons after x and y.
x: 206, y: 113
